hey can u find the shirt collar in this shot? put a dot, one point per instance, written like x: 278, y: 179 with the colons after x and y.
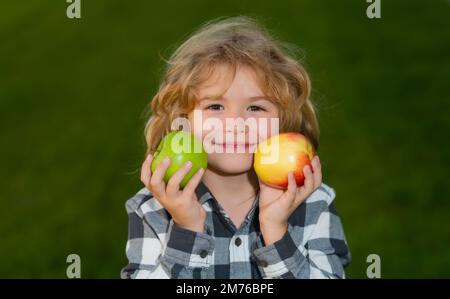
x: 203, y: 195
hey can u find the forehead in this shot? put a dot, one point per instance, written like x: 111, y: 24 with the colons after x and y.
x: 224, y: 80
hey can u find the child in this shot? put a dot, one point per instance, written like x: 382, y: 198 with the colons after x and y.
x: 225, y: 223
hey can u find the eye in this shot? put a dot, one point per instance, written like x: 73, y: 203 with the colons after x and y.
x: 214, y: 107
x: 256, y: 108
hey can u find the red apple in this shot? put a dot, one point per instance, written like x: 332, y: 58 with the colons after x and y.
x: 276, y: 156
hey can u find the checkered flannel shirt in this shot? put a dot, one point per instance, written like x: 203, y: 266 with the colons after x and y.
x: 313, y: 247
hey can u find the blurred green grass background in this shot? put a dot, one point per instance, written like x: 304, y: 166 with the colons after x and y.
x: 73, y: 95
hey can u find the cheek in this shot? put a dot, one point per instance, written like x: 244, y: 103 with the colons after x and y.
x: 274, y: 126
x: 196, y: 124
x: 267, y: 126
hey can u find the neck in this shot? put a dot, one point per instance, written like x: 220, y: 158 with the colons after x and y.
x: 231, y: 189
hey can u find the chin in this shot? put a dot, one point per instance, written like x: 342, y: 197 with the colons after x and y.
x: 231, y: 163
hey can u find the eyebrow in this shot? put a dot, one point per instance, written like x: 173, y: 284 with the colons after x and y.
x: 215, y: 98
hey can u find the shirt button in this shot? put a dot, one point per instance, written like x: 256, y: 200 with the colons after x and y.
x: 203, y: 254
x: 238, y: 242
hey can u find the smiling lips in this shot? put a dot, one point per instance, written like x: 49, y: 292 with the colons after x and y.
x: 236, y: 145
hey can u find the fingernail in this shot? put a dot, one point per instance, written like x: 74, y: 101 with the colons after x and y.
x: 188, y: 164
x: 166, y: 160
x: 201, y: 170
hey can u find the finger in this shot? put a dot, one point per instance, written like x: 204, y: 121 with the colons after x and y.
x: 146, y: 170
x: 308, y: 184
x: 315, y: 163
x: 291, y: 191
x: 157, y: 185
x: 190, y: 187
x: 173, y: 185
x: 317, y: 172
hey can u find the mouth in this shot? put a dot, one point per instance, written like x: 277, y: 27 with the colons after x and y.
x: 236, y: 145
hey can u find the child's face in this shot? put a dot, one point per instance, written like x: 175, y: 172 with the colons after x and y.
x: 232, y: 145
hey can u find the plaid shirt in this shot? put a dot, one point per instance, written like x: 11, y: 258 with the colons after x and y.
x: 313, y: 247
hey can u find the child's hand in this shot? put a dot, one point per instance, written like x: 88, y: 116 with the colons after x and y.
x: 275, y: 205
x: 182, y: 205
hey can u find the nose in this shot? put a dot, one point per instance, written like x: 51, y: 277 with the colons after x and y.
x: 235, y: 113
x: 235, y: 126
x: 234, y: 121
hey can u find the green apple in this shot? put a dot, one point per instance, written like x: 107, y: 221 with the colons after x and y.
x: 180, y: 147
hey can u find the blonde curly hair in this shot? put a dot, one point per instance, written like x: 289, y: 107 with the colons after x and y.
x: 234, y: 41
